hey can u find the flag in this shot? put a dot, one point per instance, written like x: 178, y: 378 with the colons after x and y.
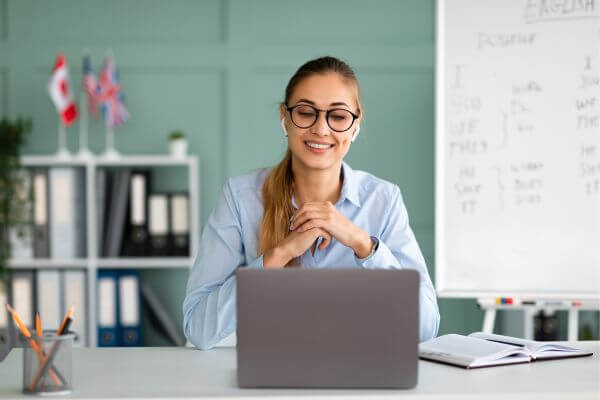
x: 110, y: 96
x: 59, y: 89
x: 90, y: 85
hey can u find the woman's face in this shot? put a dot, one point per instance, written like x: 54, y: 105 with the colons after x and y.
x: 324, y: 92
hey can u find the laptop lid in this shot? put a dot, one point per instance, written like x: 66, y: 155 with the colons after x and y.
x: 301, y: 327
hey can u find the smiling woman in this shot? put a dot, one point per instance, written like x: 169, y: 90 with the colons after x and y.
x: 311, y: 210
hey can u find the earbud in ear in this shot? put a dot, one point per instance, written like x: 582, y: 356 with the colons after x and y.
x: 283, y: 127
x: 355, y: 133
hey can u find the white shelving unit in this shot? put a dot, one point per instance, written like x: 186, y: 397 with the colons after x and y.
x: 92, y: 262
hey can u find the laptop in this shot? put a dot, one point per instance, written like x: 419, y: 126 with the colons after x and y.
x: 344, y: 328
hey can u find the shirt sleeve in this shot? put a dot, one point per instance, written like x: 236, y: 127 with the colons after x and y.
x: 209, y: 306
x: 398, y: 248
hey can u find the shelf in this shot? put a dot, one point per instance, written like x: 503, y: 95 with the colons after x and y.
x: 44, y: 161
x: 145, y: 262
x: 125, y: 160
x: 145, y: 160
x: 50, y: 263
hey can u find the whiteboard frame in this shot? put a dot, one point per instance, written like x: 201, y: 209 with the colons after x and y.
x: 440, y: 203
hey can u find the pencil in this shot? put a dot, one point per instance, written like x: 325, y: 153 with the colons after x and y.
x: 63, y: 324
x: 38, y: 325
x: 23, y: 328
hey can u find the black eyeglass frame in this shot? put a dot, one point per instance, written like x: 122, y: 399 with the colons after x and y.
x: 319, y: 111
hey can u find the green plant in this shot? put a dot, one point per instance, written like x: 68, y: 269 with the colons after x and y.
x: 13, y: 214
x: 176, y: 135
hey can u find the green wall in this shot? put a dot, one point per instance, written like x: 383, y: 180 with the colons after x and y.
x: 217, y: 70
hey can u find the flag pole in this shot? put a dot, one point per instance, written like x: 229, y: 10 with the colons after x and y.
x: 84, y: 151
x: 110, y: 153
x: 62, y: 151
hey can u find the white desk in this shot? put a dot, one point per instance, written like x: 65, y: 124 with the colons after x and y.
x: 187, y: 373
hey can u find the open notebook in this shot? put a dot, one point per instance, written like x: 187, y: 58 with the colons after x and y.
x: 485, y: 350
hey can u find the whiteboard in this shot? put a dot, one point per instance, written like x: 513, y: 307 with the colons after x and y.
x: 518, y: 148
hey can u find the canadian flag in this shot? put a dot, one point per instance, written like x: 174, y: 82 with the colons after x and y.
x: 59, y: 88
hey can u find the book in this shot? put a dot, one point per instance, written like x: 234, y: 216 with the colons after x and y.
x: 179, y: 224
x: 486, y: 350
x: 160, y: 317
x: 108, y: 334
x: 137, y: 228
x: 129, y: 308
x: 41, y: 234
x: 67, y: 212
x: 158, y: 224
x: 117, y: 212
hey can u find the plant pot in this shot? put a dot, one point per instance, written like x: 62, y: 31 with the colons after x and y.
x: 178, y: 148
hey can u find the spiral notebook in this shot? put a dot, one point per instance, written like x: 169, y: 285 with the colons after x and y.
x: 486, y: 350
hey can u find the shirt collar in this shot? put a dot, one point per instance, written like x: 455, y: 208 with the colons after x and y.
x: 349, y: 188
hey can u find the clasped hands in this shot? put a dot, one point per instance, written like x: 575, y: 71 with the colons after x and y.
x: 311, y: 221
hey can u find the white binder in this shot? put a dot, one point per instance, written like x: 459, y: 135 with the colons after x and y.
x: 49, y: 302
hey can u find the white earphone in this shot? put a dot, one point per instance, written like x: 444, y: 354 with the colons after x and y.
x: 354, y: 135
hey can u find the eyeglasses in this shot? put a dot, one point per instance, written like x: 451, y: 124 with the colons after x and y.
x: 304, y: 116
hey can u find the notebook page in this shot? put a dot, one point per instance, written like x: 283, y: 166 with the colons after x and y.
x: 465, y: 350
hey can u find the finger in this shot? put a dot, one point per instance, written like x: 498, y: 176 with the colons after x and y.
x: 311, y: 224
x: 326, y: 238
x: 313, y: 205
x: 307, y: 216
x: 306, y: 207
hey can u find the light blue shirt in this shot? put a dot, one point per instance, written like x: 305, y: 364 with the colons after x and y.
x: 230, y: 241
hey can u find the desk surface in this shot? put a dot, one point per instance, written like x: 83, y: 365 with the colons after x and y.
x: 186, y: 373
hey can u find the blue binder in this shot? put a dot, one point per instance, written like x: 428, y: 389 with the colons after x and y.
x: 130, y: 308
x: 108, y: 303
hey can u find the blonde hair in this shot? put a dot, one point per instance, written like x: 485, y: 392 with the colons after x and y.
x: 278, y: 187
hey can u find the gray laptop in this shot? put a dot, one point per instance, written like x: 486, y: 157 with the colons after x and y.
x: 349, y: 328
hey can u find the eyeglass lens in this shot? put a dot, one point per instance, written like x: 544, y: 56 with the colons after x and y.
x: 305, y: 116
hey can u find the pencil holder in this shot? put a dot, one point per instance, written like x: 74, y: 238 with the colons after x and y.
x: 47, y: 364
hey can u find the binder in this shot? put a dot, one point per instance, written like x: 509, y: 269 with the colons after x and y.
x: 21, y: 238
x: 180, y: 229
x: 108, y: 334
x: 117, y: 212
x: 23, y: 298
x: 67, y: 208
x: 160, y: 317
x: 158, y: 224
x: 138, y: 227
x: 75, y: 295
x: 49, y: 301
x: 41, y: 235
x: 101, y: 196
x: 129, y: 308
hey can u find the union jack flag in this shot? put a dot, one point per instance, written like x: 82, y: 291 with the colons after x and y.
x: 110, y: 96
x: 90, y: 85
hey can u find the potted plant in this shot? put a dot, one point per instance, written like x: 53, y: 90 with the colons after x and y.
x: 13, y: 214
x: 177, y: 144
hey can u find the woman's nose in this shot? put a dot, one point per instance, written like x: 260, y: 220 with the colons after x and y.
x: 320, y: 127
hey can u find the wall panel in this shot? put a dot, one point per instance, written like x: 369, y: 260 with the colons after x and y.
x: 396, y: 139
x: 313, y: 22
x: 61, y: 22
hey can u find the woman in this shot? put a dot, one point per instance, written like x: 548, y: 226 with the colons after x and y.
x: 312, y: 210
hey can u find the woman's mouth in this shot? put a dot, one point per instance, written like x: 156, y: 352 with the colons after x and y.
x: 316, y: 147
